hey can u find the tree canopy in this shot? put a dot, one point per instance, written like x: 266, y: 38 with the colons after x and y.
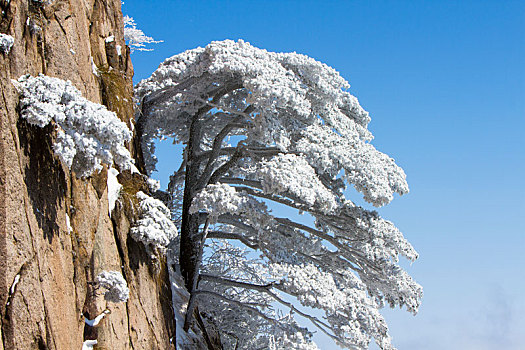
x: 262, y: 130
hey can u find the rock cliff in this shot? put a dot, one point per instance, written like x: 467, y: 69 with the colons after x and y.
x: 56, y: 233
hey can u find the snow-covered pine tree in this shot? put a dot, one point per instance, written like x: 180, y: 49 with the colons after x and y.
x: 258, y: 128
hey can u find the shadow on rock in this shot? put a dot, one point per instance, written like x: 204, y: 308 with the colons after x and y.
x: 43, y: 175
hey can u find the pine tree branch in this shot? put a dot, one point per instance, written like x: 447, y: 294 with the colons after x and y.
x: 344, y: 249
x: 235, y: 236
x: 222, y: 280
x: 235, y: 302
x: 267, y: 288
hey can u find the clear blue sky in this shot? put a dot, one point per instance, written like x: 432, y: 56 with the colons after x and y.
x: 444, y: 83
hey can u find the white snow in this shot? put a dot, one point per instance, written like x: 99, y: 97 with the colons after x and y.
x: 154, y: 185
x: 6, y: 42
x: 305, y: 141
x: 115, y: 285
x: 135, y: 38
x: 218, y: 199
x: 94, y: 67
x: 180, y: 298
x: 15, y: 282
x: 88, y: 134
x: 68, y: 224
x: 134, y: 169
x: 97, y: 319
x: 154, y: 228
x: 289, y: 173
x: 110, y: 39
x: 119, y: 50
x: 72, y: 51
x: 114, y: 188
x: 89, y: 344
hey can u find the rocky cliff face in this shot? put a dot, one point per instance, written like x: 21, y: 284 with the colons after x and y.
x: 56, y: 233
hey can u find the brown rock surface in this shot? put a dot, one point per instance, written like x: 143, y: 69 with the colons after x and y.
x: 37, y: 193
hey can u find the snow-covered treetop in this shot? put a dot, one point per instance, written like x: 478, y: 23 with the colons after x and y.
x: 258, y: 127
x: 88, y: 134
x: 297, y: 104
x: 115, y: 285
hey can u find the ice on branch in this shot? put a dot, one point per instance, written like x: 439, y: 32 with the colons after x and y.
x: 96, y: 321
x: 6, y: 42
x: 116, y: 287
x: 154, y: 227
x: 88, y: 134
x: 135, y: 38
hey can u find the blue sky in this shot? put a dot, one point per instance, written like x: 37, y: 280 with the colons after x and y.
x: 444, y: 83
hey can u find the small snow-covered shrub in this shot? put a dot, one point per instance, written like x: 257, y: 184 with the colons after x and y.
x: 117, y: 288
x: 88, y: 134
x: 6, y: 42
x: 135, y: 38
x: 154, y: 228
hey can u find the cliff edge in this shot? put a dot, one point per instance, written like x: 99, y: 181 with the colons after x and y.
x: 56, y: 230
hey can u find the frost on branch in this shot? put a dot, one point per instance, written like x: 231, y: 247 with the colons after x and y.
x: 135, y: 38
x: 218, y: 199
x: 371, y: 172
x: 289, y: 173
x: 269, y: 329
x: 88, y: 134
x: 154, y: 228
x: 299, y: 105
x: 116, y: 287
x: 262, y: 131
x: 6, y: 42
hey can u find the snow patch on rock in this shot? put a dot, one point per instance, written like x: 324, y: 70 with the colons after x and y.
x: 114, y: 188
x: 6, y: 42
x: 115, y: 285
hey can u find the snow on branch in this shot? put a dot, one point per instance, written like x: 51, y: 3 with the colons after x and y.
x: 291, y: 173
x: 297, y: 104
x: 261, y: 127
x: 135, y: 38
x: 116, y: 287
x: 218, y: 199
x: 88, y: 134
x: 154, y: 228
x: 6, y: 42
